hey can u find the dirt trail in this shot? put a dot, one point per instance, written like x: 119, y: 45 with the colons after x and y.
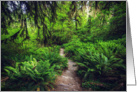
x: 68, y: 81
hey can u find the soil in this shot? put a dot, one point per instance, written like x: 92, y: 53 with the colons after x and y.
x: 68, y: 81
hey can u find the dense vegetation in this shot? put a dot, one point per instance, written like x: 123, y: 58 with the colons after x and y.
x: 93, y: 34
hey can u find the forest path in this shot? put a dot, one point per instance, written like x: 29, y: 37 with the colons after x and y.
x: 68, y: 81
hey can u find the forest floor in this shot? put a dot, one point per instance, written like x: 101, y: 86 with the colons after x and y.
x: 68, y: 81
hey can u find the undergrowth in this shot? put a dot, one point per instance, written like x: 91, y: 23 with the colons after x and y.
x: 103, y: 60
x: 31, y: 69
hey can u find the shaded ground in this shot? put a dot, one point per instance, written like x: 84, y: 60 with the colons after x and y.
x: 68, y: 81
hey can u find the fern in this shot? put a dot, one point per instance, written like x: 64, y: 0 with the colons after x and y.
x: 32, y: 71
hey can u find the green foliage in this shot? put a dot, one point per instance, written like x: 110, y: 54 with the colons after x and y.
x: 111, y: 48
x: 98, y: 60
x: 97, y: 85
x: 35, y: 72
x: 92, y: 33
x: 32, y: 71
x: 118, y: 21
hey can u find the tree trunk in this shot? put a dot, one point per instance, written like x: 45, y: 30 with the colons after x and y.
x: 44, y: 34
x: 25, y: 24
x: 96, y: 5
x: 76, y: 19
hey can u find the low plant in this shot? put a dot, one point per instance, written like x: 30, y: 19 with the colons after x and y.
x: 30, y: 75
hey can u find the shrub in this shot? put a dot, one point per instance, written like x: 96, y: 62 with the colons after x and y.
x: 29, y: 75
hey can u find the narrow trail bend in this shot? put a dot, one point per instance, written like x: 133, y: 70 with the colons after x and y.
x: 68, y: 81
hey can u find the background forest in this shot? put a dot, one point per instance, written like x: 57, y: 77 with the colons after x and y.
x: 93, y: 34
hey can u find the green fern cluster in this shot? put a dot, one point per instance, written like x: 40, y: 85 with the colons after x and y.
x: 38, y: 70
x: 111, y: 48
x: 99, y: 60
x: 98, y: 64
x: 32, y: 72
